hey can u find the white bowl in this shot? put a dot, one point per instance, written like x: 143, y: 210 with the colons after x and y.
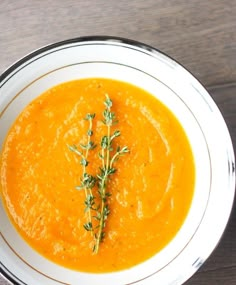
x: 160, y: 75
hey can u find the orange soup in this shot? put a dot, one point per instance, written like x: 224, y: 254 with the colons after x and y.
x: 151, y: 191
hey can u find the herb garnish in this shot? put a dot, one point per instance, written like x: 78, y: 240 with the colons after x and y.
x: 98, y: 183
x: 87, y: 180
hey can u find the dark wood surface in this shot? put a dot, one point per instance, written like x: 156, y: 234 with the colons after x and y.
x: 198, y: 33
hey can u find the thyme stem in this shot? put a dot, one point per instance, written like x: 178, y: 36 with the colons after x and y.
x: 107, y: 169
x: 90, y: 118
x: 87, y: 180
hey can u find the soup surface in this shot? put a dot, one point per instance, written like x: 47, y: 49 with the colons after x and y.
x: 151, y: 190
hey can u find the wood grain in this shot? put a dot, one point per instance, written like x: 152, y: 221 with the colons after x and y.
x: 198, y: 33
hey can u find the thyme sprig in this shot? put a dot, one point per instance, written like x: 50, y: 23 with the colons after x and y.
x: 99, y: 204
x: 87, y: 180
x: 107, y: 169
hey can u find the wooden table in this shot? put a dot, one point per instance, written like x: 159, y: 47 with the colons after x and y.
x: 200, y: 34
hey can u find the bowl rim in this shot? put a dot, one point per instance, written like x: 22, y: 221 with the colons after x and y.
x: 102, y: 38
x: 91, y: 38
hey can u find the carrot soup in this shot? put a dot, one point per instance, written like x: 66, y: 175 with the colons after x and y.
x: 150, y: 189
